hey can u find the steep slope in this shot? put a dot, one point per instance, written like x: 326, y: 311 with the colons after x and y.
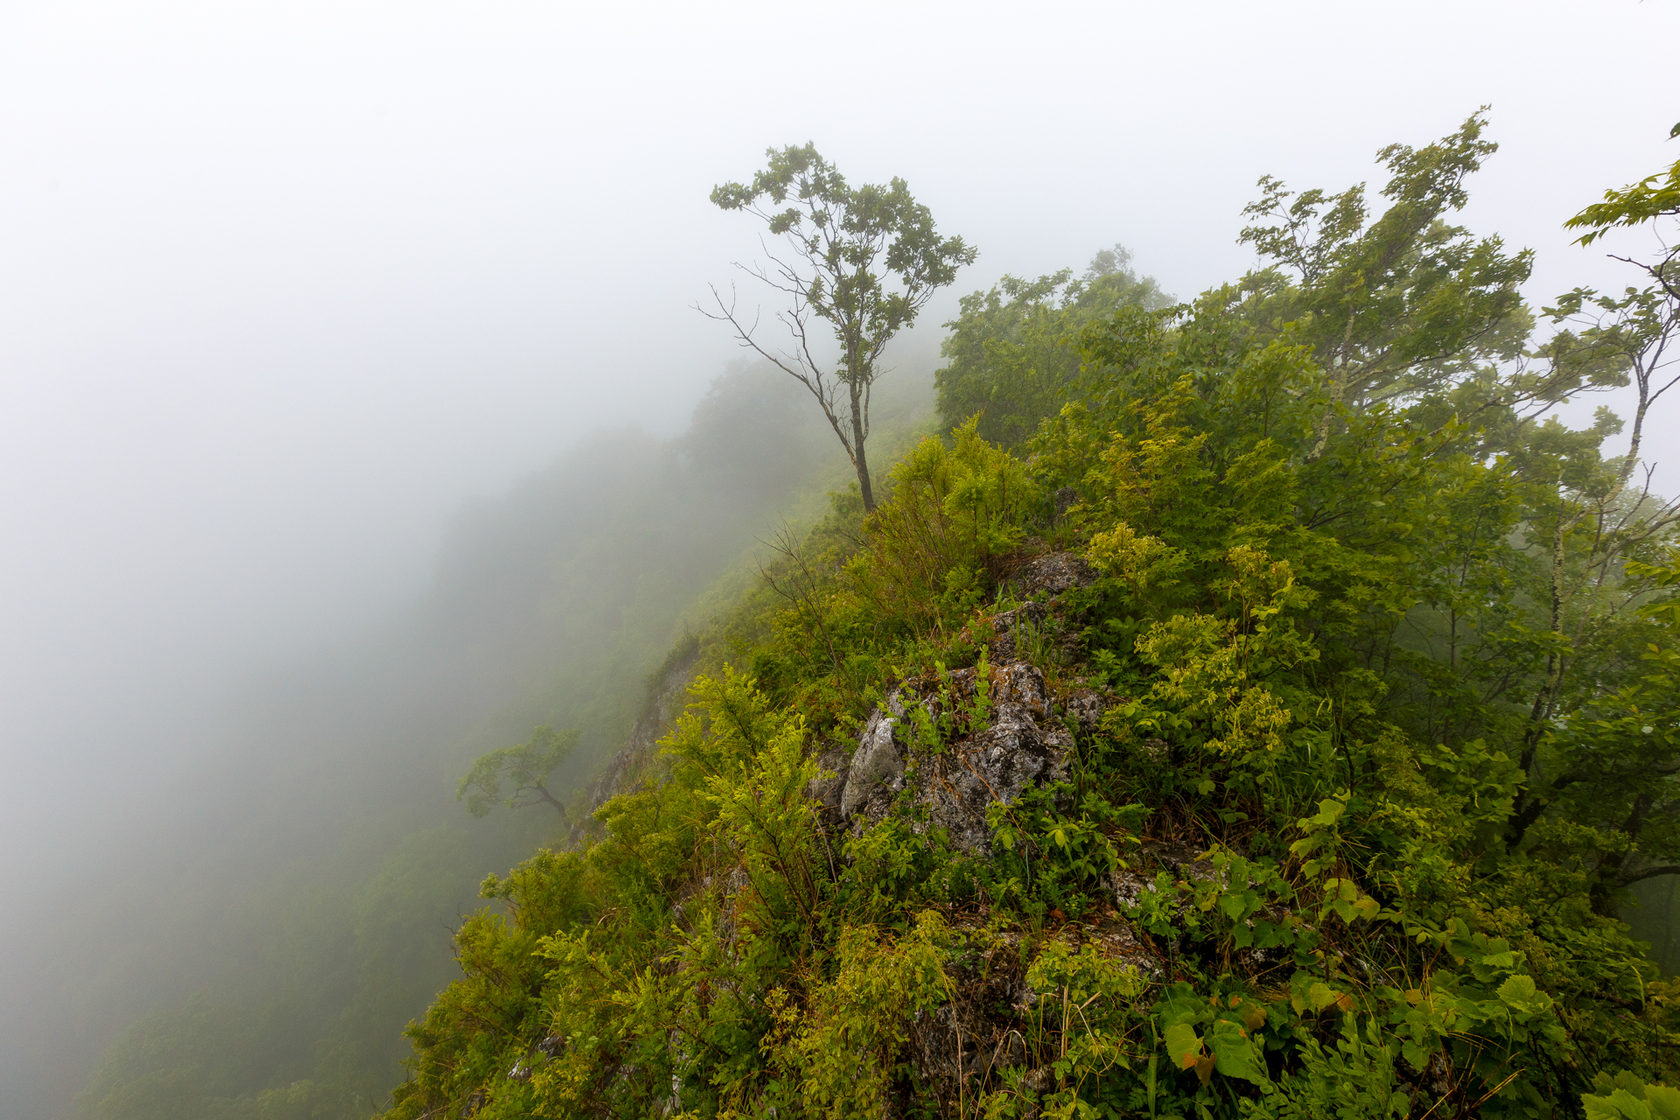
x: 326, y: 860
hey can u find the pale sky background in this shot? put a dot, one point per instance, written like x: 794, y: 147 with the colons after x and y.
x: 283, y: 284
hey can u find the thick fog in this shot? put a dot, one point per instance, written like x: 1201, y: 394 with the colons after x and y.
x: 285, y: 287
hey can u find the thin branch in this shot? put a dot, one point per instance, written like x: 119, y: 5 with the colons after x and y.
x: 1648, y: 873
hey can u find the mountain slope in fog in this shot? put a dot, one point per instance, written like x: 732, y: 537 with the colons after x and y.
x: 310, y: 886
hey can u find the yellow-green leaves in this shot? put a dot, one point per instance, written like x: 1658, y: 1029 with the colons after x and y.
x: 1141, y: 560
x: 842, y: 1049
x: 1626, y: 1097
x: 954, y: 509
x: 1343, y: 898
x: 1214, y: 1035
x: 1652, y: 197
x: 1319, y: 847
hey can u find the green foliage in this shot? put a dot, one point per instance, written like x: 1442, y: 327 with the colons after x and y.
x: 1049, y: 860
x: 1397, y: 306
x: 932, y: 550
x: 1012, y: 354
x: 518, y: 776
x: 1625, y: 1097
x: 1386, y: 678
x: 1653, y: 197
x: 862, y: 260
x: 836, y: 1057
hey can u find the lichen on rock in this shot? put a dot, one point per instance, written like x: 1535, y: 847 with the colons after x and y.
x: 952, y: 783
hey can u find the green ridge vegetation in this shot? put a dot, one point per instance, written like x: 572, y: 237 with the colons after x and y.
x: 1362, y: 709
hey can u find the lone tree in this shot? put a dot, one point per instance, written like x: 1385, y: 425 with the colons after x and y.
x: 518, y: 776
x: 862, y: 260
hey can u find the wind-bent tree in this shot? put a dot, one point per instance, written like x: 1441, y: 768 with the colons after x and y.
x: 1639, y: 331
x: 518, y: 776
x: 1399, y: 308
x: 860, y: 261
x: 1628, y: 340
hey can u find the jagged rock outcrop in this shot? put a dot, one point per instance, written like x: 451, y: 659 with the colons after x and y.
x: 955, y: 754
x: 667, y: 693
x: 1051, y: 574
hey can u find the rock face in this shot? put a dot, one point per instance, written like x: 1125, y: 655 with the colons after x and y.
x: 1014, y: 633
x: 666, y: 695
x: 958, y: 756
x: 877, y: 767
x: 1051, y: 574
x: 952, y: 755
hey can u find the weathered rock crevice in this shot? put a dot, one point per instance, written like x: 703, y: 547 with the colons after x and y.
x: 667, y: 695
x: 951, y: 753
x: 950, y: 745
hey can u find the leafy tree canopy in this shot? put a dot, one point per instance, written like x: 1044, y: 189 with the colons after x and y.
x: 1396, y: 307
x: 859, y: 263
x: 515, y: 777
x: 1012, y: 354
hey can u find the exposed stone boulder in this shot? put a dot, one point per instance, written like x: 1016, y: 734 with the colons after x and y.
x: 825, y: 790
x: 877, y: 768
x: 1033, y: 631
x: 1086, y: 707
x: 1015, y: 632
x: 1051, y: 574
x: 955, y: 778
x: 1020, y: 743
x: 1022, y: 748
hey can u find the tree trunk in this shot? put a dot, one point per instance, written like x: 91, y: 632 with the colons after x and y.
x: 863, y: 481
x: 859, y: 459
x: 542, y: 791
x: 1529, y: 802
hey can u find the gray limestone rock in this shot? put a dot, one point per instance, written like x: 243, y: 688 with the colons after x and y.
x: 876, y: 768
x: 1087, y: 708
x: 997, y: 765
x: 1020, y: 746
x: 1014, y: 631
x: 1052, y: 574
x: 826, y: 788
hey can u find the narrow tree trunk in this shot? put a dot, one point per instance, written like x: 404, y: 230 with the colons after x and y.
x: 859, y: 459
x: 1529, y: 803
x: 542, y: 792
x: 863, y: 481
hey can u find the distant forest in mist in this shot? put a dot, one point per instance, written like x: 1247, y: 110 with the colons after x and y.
x: 318, y: 860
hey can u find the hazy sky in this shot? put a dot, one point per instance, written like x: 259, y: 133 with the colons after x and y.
x: 282, y: 284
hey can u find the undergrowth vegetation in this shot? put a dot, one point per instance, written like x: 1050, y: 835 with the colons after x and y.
x: 1367, y: 682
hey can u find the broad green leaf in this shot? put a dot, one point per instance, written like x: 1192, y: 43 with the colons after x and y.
x: 1520, y: 994
x: 1234, y: 1052
x: 1664, y: 1102
x: 1183, y: 1044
